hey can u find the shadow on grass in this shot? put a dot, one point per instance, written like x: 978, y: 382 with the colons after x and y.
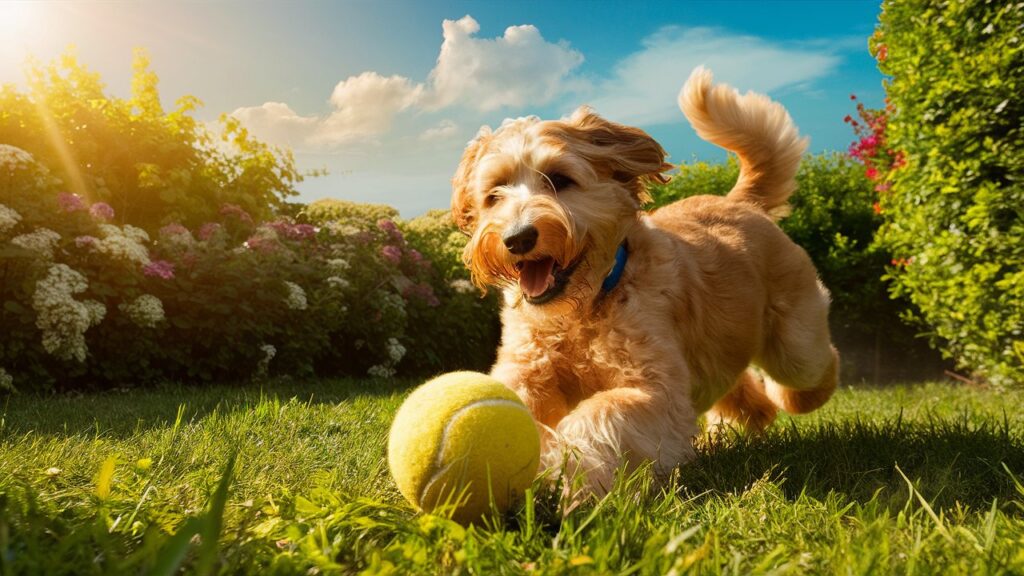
x: 121, y: 414
x: 949, y: 461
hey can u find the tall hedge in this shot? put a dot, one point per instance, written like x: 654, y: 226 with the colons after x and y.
x: 955, y: 211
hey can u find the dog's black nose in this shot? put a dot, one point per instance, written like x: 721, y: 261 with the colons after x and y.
x: 520, y: 239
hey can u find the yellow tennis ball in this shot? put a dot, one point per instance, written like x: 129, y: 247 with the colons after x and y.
x: 463, y: 440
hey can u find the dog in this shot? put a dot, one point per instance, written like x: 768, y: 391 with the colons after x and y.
x: 620, y: 327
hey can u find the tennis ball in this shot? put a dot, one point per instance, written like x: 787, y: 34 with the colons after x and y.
x: 461, y: 441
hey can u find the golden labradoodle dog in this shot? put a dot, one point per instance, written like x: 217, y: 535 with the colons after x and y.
x: 621, y: 327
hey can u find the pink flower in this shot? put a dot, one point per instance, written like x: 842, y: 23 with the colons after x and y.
x: 159, y: 269
x: 883, y: 187
x: 261, y: 243
x: 291, y: 231
x: 392, y: 230
x: 102, y: 211
x: 209, y: 230
x: 871, y: 173
x: 173, y: 230
x: 415, y: 256
x: 391, y: 254
x: 70, y: 202
x: 235, y: 211
x: 86, y: 241
x: 424, y: 292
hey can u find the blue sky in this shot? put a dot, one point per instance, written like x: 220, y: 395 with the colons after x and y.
x: 385, y: 94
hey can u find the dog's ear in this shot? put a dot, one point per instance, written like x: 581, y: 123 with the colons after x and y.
x: 628, y: 154
x: 463, y: 204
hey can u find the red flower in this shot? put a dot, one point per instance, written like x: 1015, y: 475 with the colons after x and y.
x: 877, y: 207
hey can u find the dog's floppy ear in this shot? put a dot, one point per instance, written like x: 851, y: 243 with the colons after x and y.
x: 629, y: 154
x: 463, y: 204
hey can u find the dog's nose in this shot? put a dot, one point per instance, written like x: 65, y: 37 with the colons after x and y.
x: 520, y: 239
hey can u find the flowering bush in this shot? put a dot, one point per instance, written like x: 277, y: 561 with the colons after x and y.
x: 953, y: 201
x: 89, y: 303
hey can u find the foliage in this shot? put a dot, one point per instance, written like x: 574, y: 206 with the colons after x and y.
x: 344, y: 211
x: 955, y: 212
x: 921, y: 479
x: 152, y: 166
x: 833, y: 220
x: 90, y: 304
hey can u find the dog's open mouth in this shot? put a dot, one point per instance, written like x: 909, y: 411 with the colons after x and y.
x: 543, y: 279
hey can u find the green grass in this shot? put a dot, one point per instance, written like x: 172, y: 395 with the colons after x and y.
x: 917, y: 479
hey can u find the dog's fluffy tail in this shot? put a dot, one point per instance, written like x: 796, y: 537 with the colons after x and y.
x: 758, y: 130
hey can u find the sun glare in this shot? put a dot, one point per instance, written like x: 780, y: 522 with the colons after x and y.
x: 18, y: 20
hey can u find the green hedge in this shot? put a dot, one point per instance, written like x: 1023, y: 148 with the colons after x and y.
x: 955, y: 212
x: 833, y: 219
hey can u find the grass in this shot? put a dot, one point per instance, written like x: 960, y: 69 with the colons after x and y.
x: 913, y: 479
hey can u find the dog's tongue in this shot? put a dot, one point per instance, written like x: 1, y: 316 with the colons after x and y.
x: 536, y: 276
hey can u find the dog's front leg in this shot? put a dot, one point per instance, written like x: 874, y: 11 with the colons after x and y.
x: 623, y: 425
x: 536, y: 385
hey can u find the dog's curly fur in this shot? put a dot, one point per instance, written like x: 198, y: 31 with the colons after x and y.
x: 711, y: 286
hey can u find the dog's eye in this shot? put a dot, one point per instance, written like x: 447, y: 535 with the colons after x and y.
x: 491, y: 199
x: 560, y: 181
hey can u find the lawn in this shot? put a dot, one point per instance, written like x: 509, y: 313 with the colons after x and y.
x: 913, y: 479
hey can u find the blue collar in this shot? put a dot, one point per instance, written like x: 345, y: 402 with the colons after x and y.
x: 613, y: 277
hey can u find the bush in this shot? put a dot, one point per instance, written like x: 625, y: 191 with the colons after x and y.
x: 158, y: 257
x: 833, y: 219
x: 87, y: 303
x: 345, y: 212
x: 955, y: 211
x: 151, y: 166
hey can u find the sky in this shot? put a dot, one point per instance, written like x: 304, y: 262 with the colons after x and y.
x: 384, y: 95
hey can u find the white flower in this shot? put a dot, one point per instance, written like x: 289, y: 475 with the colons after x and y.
x: 6, y: 381
x: 42, y: 241
x: 381, y: 371
x: 124, y: 243
x: 395, y: 350
x: 145, y: 311
x: 13, y: 158
x: 462, y: 286
x: 296, y: 299
x: 269, y: 351
x: 338, y: 265
x: 62, y: 319
x: 339, y: 283
x: 9, y: 218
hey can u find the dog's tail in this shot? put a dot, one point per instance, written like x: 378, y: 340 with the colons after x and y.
x: 758, y: 130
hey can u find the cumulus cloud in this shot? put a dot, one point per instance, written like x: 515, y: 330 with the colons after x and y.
x: 444, y: 129
x: 519, y: 68
x: 642, y: 88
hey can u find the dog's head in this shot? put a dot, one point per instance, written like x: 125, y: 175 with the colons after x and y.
x: 546, y: 204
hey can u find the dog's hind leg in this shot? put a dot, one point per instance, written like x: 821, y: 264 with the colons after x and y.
x: 745, y: 405
x: 801, y: 364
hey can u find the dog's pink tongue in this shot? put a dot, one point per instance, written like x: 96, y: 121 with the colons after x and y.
x: 536, y: 275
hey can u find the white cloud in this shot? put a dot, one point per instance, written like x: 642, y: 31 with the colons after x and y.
x: 444, y: 129
x: 366, y: 105
x: 643, y: 86
x: 276, y: 122
x: 517, y: 69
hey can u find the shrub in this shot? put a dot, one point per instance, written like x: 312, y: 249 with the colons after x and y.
x: 833, y: 219
x: 955, y: 212
x: 87, y: 303
x: 151, y: 166
x: 345, y: 212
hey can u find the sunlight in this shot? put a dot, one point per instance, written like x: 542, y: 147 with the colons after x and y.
x: 17, y: 21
